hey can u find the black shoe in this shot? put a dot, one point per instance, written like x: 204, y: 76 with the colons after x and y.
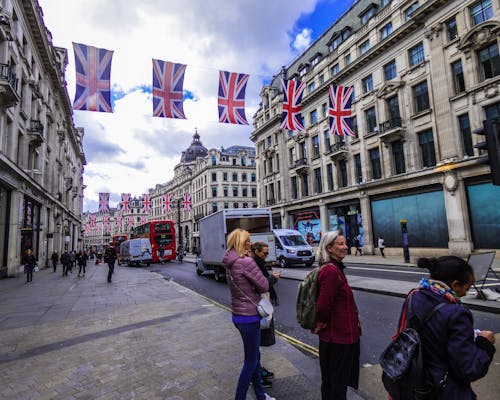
x: 266, y: 374
x: 266, y: 383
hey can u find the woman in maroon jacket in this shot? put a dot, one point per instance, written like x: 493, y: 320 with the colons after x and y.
x: 246, y: 282
x: 337, y: 322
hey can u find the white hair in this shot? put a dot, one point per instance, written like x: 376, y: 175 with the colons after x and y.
x: 322, y: 254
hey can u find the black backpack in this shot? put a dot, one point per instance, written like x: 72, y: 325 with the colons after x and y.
x: 403, y: 373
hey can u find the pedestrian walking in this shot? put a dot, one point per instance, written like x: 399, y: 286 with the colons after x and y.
x: 381, y: 245
x: 454, y: 353
x: 81, y: 259
x: 72, y: 260
x: 65, y: 260
x: 161, y: 253
x: 110, y: 258
x: 337, y: 322
x: 246, y: 282
x: 357, y: 244
x: 260, y: 252
x: 55, y: 259
x: 29, y: 262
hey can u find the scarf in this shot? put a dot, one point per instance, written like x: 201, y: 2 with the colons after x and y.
x: 440, y: 288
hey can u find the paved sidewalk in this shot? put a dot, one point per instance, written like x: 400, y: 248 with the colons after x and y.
x: 140, y: 337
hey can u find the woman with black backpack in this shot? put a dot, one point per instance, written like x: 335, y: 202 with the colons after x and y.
x: 454, y: 353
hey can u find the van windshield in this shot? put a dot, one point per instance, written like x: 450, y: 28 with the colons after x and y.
x: 293, y: 240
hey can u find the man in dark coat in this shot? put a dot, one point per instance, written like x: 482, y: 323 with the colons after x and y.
x: 65, y: 261
x: 55, y: 259
x: 110, y: 258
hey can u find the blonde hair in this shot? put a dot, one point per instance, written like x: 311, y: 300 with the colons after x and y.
x: 322, y: 255
x: 236, y: 240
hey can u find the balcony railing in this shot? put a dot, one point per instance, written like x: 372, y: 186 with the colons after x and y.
x: 35, y: 129
x: 8, y: 86
x: 391, y: 124
x: 300, y: 165
x: 391, y: 130
x: 338, y: 151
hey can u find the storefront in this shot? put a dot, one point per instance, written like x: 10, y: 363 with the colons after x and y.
x: 308, y: 223
x: 30, y: 226
x: 5, y: 200
x: 347, y: 218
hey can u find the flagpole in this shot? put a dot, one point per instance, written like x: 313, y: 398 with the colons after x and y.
x: 179, y: 222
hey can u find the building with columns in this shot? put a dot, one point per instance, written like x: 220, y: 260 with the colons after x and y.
x: 215, y: 178
x: 41, y: 152
x: 426, y: 74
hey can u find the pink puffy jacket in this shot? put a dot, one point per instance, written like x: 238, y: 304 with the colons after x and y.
x: 250, y: 280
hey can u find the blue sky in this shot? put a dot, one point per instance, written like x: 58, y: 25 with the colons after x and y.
x: 130, y: 151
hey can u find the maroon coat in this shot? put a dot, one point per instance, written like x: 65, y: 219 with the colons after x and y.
x: 336, y: 307
x: 249, y: 279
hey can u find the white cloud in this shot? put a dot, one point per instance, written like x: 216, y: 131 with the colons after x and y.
x: 302, y: 40
x: 129, y: 150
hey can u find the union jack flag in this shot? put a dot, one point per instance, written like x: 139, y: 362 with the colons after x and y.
x: 339, y: 111
x: 168, y: 80
x: 167, y: 202
x: 104, y: 202
x: 292, y: 105
x: 130, y: 221
x: 186, y: 202
x: 145, y: 203
x: 118, y: 221
x: 125, y: 203
x: 143, y: 219
x: 93, y: 69
x: 231, y: 102
x: 99, y: 228
x: 92, y: 221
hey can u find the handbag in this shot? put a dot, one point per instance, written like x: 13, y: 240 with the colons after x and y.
x: 36, y: 269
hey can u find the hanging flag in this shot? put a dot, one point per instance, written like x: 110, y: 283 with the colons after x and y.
x: 292, y: 105
x: 186, y: 202
x: 130, y: 221
x: 167, y: 202
x: 145, y: 203
x: 231, y: 102
x: 125, y: 203
x: 168, y: 80
x: 106, y: 224
x: 99, y: 228
x: 93, y: 69
x: 104, y: 202
x: 143, y: 219
x: 118, y: 221
x: 92, y: 221
x: 339, y: 111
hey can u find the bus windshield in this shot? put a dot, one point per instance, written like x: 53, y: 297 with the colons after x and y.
x: 163, y: 227
x: 163, y: 240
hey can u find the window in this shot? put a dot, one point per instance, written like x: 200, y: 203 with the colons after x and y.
x: 244, y: 160
x: 464, y: 123
x: 226, y: 205
x: 358, y: 170
x: 426, y: 141
x: 416, y: 54
x: 354, y: 124
x: 236, y: 205
x: 269, y: 141
x: 303, y: 150
x: 235, y: 177
x: 234, y: 161
x: 305, y: 186
x: 364, y: 47
x: 347, y: 59
x: 409, y: 11
x: 214, y: 176
x: 458, y: 77
x: 311, y: 87
x: 214, y: 207
x: 335, y: 70
x: 214, y: 191
x: 224, y: 176
x: 398, y: 157
x: 393, y: 109
x: 375, y: 163
x: 316, y: 60
x: 421, y: 97
x: 386, y: 31
x: 235, y: 191
x: 368, y: 14
x: 451, y: 29
x: 303, y: 71
x: 294, y: 187
x: 254, y: 192
x: 324, y: 110
x: 384, y: 3
x: 390, y: 70
x: 371, y: 120
x: 244, y: 192
x: 244, y: 177
x: 318, y: 184
x: 367, y: 84
x: 313, y: 116
x: 492, y: 111
x: 489, y: 61
x: 315, y: 142
x: 226, y: 191
x: 214, y: 159
x: 329, y: 175
x: 342, y: 168
x: 481, y: 11
x: 254, y: 177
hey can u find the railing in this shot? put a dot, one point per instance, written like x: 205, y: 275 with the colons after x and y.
x: 338, y: 146
x: 299, y: 162
x: 391, y: 124
x: 36, y: 126
x: 7, y: 73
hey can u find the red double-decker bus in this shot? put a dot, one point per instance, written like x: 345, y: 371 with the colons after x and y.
x: 161, y: 235
x: 117, y: 241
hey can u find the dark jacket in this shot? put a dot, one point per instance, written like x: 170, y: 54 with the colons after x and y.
x: 65, y: 258
x: 110, y: 254
x: 55, y: 257
x: 29, y: 260
x: 262, y: 264
x: 336, y: 306
x: 249, y: 281
x: 449, y: 346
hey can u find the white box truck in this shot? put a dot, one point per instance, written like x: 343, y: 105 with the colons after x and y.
x: 135, y: 252
x: 215, y: 227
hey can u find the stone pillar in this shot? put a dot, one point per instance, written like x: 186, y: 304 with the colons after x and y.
x: 323, y: 216
x: 14, y: 239
x: 457, y: 215
x: 366, y: 215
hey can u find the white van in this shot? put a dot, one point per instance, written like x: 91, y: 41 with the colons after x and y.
x: 292, y: 248
x: 135, y: 252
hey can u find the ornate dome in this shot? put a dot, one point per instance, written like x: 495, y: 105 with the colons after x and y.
x: 195, y: 150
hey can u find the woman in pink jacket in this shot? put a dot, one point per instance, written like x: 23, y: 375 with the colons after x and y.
x: 246, y: 282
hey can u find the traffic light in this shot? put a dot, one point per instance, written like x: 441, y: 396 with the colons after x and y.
x: 491, y: 131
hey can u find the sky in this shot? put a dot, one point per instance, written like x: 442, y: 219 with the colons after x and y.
x: 129, y: 150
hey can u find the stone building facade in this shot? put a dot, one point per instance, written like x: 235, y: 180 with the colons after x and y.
x: 215, y: 178
x: 41, y: 152
x: 426, y: 74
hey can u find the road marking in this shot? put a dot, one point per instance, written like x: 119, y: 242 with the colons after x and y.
x: 387, y: 270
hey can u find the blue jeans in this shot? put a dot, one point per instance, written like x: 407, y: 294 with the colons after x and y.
x: 250, y: 334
